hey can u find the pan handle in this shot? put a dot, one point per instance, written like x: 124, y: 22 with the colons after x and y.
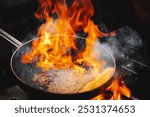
x: 10, y: 38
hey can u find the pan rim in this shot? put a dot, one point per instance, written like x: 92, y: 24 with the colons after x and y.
x: 11, y: 65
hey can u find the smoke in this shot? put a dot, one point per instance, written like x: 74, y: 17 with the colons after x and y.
x: 124, y: 46
x: 125, y: 43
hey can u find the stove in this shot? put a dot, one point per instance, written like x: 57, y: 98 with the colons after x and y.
x: 17, y: 18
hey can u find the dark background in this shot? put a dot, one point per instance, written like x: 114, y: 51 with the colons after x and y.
x: 17, y: 18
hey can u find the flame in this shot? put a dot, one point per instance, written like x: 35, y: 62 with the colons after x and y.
x: 57, y: 47
x: 118, y: 88
x: 54, y: 50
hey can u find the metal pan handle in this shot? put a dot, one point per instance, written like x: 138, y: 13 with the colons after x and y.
x: 10, y: 38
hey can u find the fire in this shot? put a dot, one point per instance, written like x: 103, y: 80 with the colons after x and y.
x: 57, y: 46
x: 118, y: 88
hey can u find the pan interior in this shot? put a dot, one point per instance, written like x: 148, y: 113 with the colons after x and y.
x: 68, y: 81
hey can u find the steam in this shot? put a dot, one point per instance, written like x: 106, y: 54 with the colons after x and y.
x: 124, y: 46
x: 125, y: 43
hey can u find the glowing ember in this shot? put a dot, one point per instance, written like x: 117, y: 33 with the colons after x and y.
x: 57, y: 49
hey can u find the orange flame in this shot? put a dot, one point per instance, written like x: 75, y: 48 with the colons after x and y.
x: 118, y: 88
x: 55, y: 50
x: 57, y: 42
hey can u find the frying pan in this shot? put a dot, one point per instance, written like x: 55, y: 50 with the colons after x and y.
x: 25, y: 73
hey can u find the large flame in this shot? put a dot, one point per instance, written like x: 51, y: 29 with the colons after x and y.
x: 57, y: 47
x: 55, y: 50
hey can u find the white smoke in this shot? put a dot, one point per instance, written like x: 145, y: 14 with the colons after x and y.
x: 124, y: 46
x: 125, y: 43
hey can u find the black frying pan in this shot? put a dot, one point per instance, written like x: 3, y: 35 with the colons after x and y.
x: 25, y: 73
